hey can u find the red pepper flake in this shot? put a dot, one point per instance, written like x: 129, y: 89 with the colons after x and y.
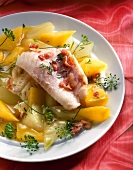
x: 96, y: 94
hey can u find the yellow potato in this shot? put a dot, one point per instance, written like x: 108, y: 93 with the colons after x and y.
x: 6, y: 113
x: 23, y: 130
x: 36, y: 96
x: 1, y: 56
x: 96, y: 96
x: 9, y: 44
x: 92, y: 66
x: 56, y: 38
x: 96, y: 113
x: 8, y: 97
x: 37, y: 30
x: 13, y: 56
x: 28, y: 41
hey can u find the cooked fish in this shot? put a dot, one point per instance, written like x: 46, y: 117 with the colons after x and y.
x: 57, y: 71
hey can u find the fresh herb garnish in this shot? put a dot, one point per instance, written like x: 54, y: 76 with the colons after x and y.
x: 88, y: 62
x: 30, y: 143
x: 31, y: 108
x: 23, y: 25
x: 49, y: 68
x: 9, y: 34
x: 60, y: 57
x: 9, y: 131
x: 48, y: 114
x: 109, y: 82
x: 66, y: 130
x: 84, y: 41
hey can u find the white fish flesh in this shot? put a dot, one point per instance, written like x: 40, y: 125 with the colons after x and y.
x: 57, y: 71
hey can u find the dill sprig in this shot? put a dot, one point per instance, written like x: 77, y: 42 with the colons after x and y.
x: 109, y: 83
x: 31, y: 108
x: 66, y: 130
x: 30, y: 143
x: 48, y: 114
x: 49, y: 68
x: 9, y: 34
x: 84, y: 41
x: 9, y: 131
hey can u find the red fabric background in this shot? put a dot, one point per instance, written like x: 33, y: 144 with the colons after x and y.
x: 114, y: 20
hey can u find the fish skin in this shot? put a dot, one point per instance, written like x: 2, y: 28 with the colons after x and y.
x: 30, y: 62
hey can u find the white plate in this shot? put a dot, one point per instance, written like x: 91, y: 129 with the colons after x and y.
x: 11, y: 150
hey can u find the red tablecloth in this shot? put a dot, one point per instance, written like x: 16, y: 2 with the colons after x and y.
x: 114, y: 20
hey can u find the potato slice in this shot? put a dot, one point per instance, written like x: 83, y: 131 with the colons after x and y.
x: 56, y: 38
x: 13, y: 56
x: 96, y: 114
x: 96, y: 96
x: 1, y: 56
x: 8, y: 97
x: 92, y: 66
x: 23, y: 130
x: 36, y: 96
x: 6, y: 113
x: 28, y: 41
x: 37, y: 30
x: 8, y: 44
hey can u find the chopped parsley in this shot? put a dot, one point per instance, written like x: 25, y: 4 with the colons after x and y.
x: 49, y: 68
x: 30, y: 143
x: 48, y: 114
x: 9, y: 131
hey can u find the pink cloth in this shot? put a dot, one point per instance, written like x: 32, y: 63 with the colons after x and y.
x: 114, y: 20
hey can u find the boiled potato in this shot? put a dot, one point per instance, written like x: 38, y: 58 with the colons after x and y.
x: 1, y: 56
x: 9, y: 44
x: 37, y: 30
x: 23, y: 130
x: 56, y: 38
x: 96, y: 113
x: 36, y: 96
x: 5, y: 113
x: 92, y: 66
x: 13, y: 56
x: 28, y: 41
x: 95, y: 96
x: 8, y: 97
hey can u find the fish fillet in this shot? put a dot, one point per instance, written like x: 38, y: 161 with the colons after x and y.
x: 57, y: 71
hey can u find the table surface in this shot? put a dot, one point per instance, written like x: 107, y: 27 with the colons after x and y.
x: 114, y: 20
